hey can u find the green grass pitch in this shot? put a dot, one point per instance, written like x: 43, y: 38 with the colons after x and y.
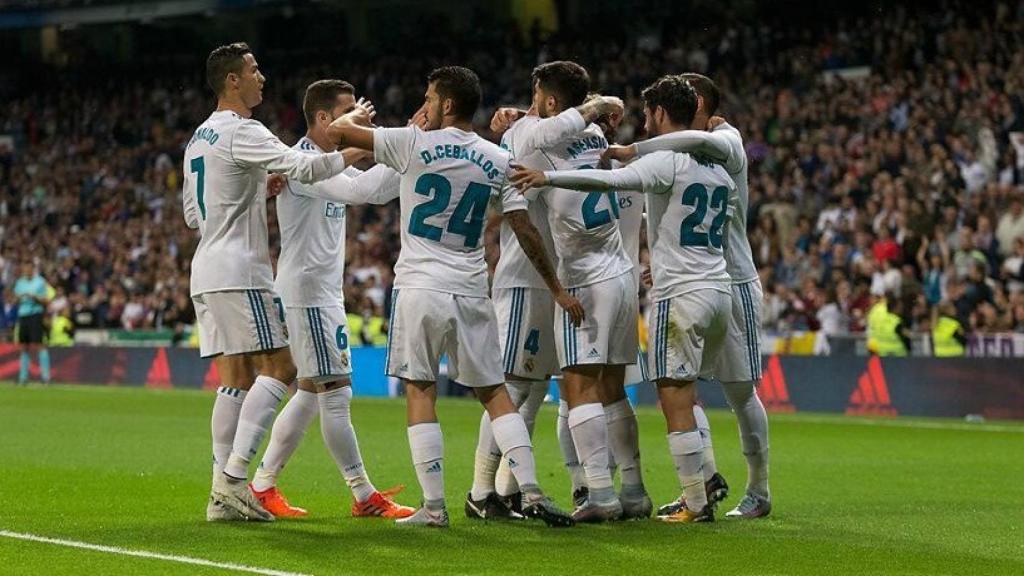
x: 130, y: 468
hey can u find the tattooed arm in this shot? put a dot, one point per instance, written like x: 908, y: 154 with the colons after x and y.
x: 530, y: 240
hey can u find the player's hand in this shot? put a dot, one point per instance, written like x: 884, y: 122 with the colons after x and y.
x: 503, y: 119
x: 570, y: 304
x: 524, y: 178
x: 275, y: 184
x: 621, y: 154
x: 361, y: 115
x: 612, y: 106
x: 646, y: 278
x: 419, y: 119
x: 715, y: 122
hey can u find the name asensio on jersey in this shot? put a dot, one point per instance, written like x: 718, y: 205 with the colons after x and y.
x: 456, y: 152
x: 583, y: 144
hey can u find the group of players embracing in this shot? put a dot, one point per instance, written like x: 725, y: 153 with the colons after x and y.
x: 563, y: 299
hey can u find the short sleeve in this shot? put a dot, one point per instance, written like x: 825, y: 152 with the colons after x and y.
x: 392, y: 147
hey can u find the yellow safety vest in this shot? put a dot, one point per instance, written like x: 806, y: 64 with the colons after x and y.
x: 875, y: 314
x: 944, y: 343
x: 375, y: 331
x: 58, y: 332
x: 355, y: 329
x: 887, y: 339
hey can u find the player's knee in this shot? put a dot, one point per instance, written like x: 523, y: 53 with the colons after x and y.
x: 280, y: 366
x: 737, y: 394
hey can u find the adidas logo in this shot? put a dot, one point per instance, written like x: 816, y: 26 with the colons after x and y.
x: 593, y: 353
x: 404, y: 367
x: 434, y: 468
x: 512, y: 463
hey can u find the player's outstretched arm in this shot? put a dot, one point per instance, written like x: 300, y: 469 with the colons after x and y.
x: 584, y: 181
x: 551, y: 131
x: 722, y: 145
x: 378, y: 185
x: 530, y: 240
x: 254, y: 145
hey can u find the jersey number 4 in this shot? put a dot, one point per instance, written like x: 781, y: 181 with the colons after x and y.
x: 198, y: 166
x: 696, y: 195
x: 467, y: 219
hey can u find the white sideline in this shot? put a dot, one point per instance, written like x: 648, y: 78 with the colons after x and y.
x: 897, y: 422
x: 145, y: 554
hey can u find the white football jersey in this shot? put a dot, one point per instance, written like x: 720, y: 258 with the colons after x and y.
x: 723, y: 145
x: 448, y: 176
x: 514, y: 269
x: 311, y: 267
x: 224, y: 196
x: 631, y: 218
x: 688, y: 206
x: 584, y: 228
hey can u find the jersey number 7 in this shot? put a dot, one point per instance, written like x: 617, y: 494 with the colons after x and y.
x: 198, y: 167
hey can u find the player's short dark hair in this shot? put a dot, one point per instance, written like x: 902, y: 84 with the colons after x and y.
x: 322, y: 95
x: 460, y: 85
x: 706, y: 89
x: 567, y: 81
x: 223, y: 61
x: 675, y: 95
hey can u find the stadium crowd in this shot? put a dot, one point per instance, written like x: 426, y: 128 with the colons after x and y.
x: 887, y: 157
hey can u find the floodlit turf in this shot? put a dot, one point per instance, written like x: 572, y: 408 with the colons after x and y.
x: 130, y: 468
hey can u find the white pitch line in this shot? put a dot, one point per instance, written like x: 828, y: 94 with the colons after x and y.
x: 899, y: 423
x: 145, y: 554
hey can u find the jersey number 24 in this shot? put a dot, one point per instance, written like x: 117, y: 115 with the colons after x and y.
x: 467, y: 220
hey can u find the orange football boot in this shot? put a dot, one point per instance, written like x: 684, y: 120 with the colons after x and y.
x: 381, y: 504
x: 274, y: 502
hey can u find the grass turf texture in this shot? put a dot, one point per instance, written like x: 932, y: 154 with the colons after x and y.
x: 131, y: 468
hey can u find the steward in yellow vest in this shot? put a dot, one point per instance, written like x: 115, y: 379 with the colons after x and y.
x: 948, y: 337
x: 62, y: 331
x: 887, y: 336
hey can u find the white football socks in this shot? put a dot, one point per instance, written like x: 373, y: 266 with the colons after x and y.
x: 427, y: 447
x: 568, y: 448
x: 224, y: 423
x: 686, y: 449
x: 704, y: 427
x: 340, y: 438
x: 753, y: 425
x: 256, y: 415
x: 624, y: 441
x: 513, y: 439
x: 528, y: 395
x: 486, y: 461
x: 589, y: 430
x: 288, y: 431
